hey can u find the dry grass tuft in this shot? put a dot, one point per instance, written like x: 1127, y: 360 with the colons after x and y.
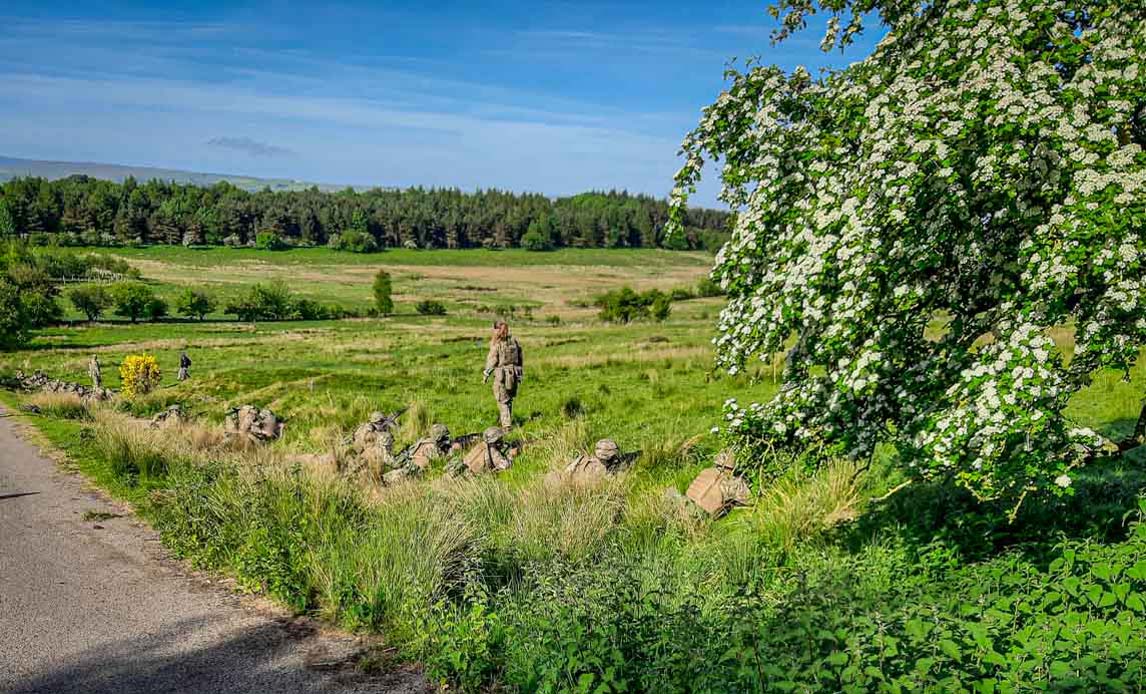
x: 669, y: 452
x: 415, y: 422
x: 568, y: 441
x: 557, y: 517
x: 798, y: 507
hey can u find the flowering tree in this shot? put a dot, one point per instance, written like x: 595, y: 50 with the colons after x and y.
x: 913, y: 228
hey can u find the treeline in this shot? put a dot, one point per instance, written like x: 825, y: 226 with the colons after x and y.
x: 80, y: 210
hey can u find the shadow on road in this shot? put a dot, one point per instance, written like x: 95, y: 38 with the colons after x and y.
x: 271, y: 657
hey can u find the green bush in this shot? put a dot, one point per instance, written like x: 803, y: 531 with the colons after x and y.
x: 309, y: 309
x: 194, y: 303
x: 353, y: 241
x: 269, y: 302
x: 383, y: 301
x: 14, y: 322
x: 429, y: 307
x: 270, y: 241
x: 661, y: 306
x: 41, y: 308
x: 132, y: 300
x: 625, y: 305
x: 91, y: 300
x: 707, y: 287
x: 156, y: 309
x: 534, y: 240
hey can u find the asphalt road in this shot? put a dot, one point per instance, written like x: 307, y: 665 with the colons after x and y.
x: 95, y: 606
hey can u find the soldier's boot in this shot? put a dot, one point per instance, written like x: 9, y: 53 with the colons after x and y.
x: 505, y: 412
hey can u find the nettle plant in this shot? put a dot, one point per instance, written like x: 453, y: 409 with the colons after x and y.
x: 912, y: 228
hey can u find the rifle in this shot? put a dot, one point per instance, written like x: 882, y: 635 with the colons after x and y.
x: 466, y: 440
x: 626, y: 459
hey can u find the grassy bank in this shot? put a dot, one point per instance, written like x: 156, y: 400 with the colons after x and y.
x: 543, y: 585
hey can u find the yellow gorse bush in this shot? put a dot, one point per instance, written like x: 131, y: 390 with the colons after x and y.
x: 140, y: 374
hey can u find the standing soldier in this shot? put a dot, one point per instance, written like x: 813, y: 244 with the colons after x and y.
x: 94, y: 373
x: 504, y: 362
x: 184, y: 366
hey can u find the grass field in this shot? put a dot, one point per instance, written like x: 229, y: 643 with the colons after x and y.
x: 535, y: 584
x: 463, y: 280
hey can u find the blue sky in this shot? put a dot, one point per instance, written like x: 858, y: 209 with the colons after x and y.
x: 553, y: 97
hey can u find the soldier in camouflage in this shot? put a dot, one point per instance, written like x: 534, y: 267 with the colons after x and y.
x: 417, y: 458
x: 504, y: 363
x: 606, y: 460
x: 94, y: 372
x: 184, y: 366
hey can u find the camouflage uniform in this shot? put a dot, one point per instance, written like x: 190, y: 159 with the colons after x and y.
x: 172, y: 416
x: 373, y: 448
x: 94, y: 372
x: 718, y: 488
x: 505, y: 363
x: 254, y: 423
x: 606, y: 459
x: 416, y: 459
x: 184, y: 367
x: 487, y: 456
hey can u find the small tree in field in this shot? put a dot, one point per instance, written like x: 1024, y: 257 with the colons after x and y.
x: 382, y: 289
x: 194, y: 303
x: 133, y: 300
x: 984, y: 170
x: 14, y: 322
x: 91, y: 301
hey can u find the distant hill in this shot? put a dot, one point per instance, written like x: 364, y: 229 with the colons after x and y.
x: 12, y: 168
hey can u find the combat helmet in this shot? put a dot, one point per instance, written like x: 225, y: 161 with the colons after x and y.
x: 606, y: 450
x: 439, y: 433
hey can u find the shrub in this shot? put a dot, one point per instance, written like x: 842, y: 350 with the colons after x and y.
x: 309, y: 309
x: 14, y: 323
x: 707, y: 287
x: 132, y: 299
x: 156, y: 309
x: 41, y: 307
x: 353, y: 241
x: 661, y: 306
x: 534, y: 241
x: 270, y: 241
x: 625, y: 305
x: 194, y: 303
x: 90, y: 301
x: 382, y: 290
x: 140, y: 374
x: 263, y: 302
x: 429, y: 307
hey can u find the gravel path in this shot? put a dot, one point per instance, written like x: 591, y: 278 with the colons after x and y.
x: 92, y: 604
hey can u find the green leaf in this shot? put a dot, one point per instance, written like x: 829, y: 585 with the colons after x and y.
x: 1135, y: 602
x: 950, y: 649
x: 838, y: 658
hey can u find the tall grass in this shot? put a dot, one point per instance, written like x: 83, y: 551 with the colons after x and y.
x: 60, y: 405
x: 798, y: 506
